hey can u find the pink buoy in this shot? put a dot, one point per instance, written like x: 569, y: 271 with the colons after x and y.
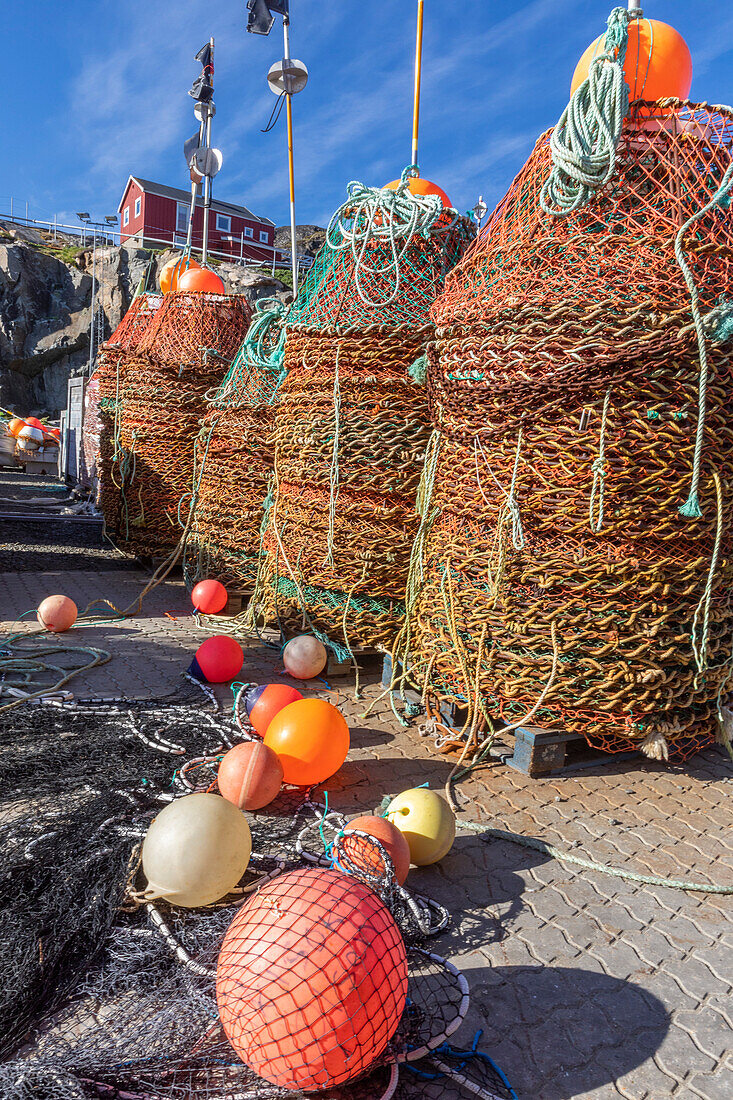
x: 57, y: 613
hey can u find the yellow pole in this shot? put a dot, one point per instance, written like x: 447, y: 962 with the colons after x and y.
x: 418, y: 76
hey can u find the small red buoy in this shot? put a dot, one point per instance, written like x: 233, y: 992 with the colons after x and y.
x: 250, y: 775
x: 209, y: 597
x: 264, y: 701
x: 217, y: 660
x: 57, y: 613
x: 201, y: 280
x: 418, y: 186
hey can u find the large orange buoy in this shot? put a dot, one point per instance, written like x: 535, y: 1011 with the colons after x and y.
x: 15, y: 426
x: 658, y: 62
x: 201, y: 280
x: 419, y: 186
x: 311, y: 980
x: 172, y: 271
x: 311, y: 738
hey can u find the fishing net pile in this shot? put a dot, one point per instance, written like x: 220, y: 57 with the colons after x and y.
x: 91, y: 430
x: 352, y: 423
x: 185, y: 350
x: 236, y: 457
x: 573, y: 566
x: 112, y: 997
x: 110, y: 374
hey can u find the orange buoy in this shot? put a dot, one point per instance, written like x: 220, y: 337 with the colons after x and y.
x: 250, y: 775
x: 366, y: 858
x: 419, y: 186
x: 172, y: 271
x: 201, y: 280
x: 658, y: 63
x: 311, y: 738
x: 264, y: 701
x: 311, y: 980
x: 57, y: 613
x: 15, y: 426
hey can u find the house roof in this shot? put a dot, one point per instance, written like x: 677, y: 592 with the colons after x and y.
x: 176, y: 193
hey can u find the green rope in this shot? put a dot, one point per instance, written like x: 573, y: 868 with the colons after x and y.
x: 585, y: 140
x: 589, y: 865
x: 691, y: 508
x: 374, y: 216
x: 257, y: 370
x: 718, y: 324
x: 418, y: 372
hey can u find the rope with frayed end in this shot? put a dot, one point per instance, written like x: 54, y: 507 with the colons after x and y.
x: 584, y: 142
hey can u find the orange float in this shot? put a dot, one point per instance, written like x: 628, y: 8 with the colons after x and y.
x: 172, y: 272
x: 311, y: 980
x: 364, y: 857
x: 419, y: 186
x: 658, y: 63
x: 201, y: 280
x: 15, y: 426
x: 311, y: 738
x: 250, y: 775
x: 57, y: 613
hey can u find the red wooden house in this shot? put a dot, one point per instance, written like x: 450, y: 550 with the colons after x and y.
x: 153, y: 216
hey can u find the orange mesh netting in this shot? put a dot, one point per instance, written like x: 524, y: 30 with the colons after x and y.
x: 148, y: 455
x: 351, y: 423
x: 236, y: 450
x: 555, y: 579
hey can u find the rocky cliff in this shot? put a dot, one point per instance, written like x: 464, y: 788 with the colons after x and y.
x: 45, y: 303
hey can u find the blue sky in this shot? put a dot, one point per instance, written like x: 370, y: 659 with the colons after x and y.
x: 96, y: 90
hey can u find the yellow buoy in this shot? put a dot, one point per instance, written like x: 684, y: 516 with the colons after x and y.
x: 427, y: 823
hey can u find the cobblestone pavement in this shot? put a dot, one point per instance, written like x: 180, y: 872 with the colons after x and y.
x: 586, y: 985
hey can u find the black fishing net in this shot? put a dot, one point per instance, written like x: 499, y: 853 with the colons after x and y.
x: 105, y: 995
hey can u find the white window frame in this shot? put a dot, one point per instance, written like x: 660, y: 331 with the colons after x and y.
x: 179, y: 241
x: 183, y: 209
x: 223, y: 223
x: 249, y: 232
x: 138, y: 206
x: 126, y: 216
x: 264, y: 236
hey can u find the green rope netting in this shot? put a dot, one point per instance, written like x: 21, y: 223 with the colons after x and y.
x: 384, y: 260
x: 257, y: 370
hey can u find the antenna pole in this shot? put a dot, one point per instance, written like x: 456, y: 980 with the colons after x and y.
x: 207, y: 178
x: 291, y: 169
x: 418, y: 77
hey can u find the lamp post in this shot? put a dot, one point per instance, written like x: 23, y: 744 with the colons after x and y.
x: 86, y: 220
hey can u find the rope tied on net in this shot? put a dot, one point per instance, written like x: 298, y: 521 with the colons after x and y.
x: 375, y: 217
x: 700, y: 648
x: 584, y: 142
x: 599, y: 471
x: 334, y: 479
x: 691, y: 508
x: 262, y: 351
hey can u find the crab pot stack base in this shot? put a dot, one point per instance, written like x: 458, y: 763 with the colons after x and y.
x: 352, y: 424
x: 123, y: 343
x: 185, y: 350
x: 235, y: 459
x: 556, y: 577
x: 341, y: 528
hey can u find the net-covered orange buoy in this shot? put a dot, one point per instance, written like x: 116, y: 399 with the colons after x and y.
x: 658, y: 63
x: 420, y: 186
x: 201, y: 280
x: 311, y: 980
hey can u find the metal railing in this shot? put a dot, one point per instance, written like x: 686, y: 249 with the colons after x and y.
x: 83, y: 236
